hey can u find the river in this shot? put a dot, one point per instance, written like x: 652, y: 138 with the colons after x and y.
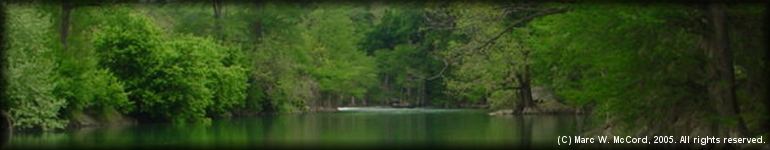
x: 387, y: 127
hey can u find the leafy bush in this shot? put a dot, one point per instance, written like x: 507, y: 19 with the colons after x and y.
x: 180, y: 78
x: 199, y: 67
x: 134, y: 53
x: 229, y: 86
x: 31, y: 71
x: 95, y: 89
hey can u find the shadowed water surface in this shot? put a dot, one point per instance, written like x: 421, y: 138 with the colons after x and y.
x: 389, y: 127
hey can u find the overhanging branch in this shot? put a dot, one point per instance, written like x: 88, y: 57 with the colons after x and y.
x: 521, y: 22
x: 506, y: 30
x: 441, y: 73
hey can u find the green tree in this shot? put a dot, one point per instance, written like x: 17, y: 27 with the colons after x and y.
x: 90, y: 89
x: 183, y: 78
x: 639, y: 55
x: 31, y: 74
x: 339, y: 67
x: 405, y: 53
x: 487, y: 49
x: 641, y: 60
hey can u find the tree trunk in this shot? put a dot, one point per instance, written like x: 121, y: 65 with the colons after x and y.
x: 721, y: 86
x: 66, y: 8
x: 525, y: 94
x: 525, y: 88
x: 405, y: 95
x: 6, y: 129
x: 340, y: 98
x: 352, y: 101
x: 422, y: 93
x: 217, y: 18
x: 518, y: 105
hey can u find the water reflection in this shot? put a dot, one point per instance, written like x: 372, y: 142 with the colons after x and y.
x: 415, y: 127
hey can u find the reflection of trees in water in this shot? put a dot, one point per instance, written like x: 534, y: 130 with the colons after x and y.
x: 40, y: 140
x: 525, y: 130
x: 546, y: 127
x: 267, y: 128
x: 398, y: 129
x: 328, y: 130
x: 539, y: 131
x: 307, y: 129
x: 96, y: 136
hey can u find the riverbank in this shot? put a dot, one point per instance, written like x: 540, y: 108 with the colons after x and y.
x: 684, y: 119
x: 108, y: 118
x: 687, y: 127
x: 78, y: 120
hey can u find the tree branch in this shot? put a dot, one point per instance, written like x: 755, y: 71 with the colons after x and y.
x: 441, y: 73
x: 507, y: 29
x: 521, y: 22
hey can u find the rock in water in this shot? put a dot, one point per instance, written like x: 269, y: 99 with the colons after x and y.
x: 501, y: 112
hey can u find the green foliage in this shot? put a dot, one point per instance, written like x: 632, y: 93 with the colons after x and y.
x: 88, y: 87
x: 31, y: 70
x: 342, y: 68
x: 502, y: 99
x: 397, y: 26
x: 185, y: 71
x: 229, y: 87
x: 183, y: 79
x: 482, y: 70
x: 403, y: 50
x: 134, y: 53
x: 640, y: 53
x: 312, y: 63
x: 95, y: 89
x: 197, y: 70
x: 275, y: 71
x: 392, y: 62
x: 133, y: 49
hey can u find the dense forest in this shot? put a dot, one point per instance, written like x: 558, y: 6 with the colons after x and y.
x: 638, y: 68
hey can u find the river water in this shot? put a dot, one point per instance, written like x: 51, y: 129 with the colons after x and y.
x: 388, y: 127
